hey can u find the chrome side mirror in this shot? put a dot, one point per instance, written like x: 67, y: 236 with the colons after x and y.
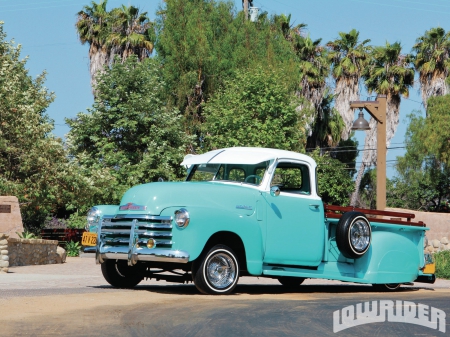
x: 275, y: 191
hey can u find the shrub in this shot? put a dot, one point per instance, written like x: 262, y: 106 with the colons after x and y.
x: 442, y: 260
x: 76, y: 221
x: 54, y: 222
x: 27, y: 235
x: 73, y: 248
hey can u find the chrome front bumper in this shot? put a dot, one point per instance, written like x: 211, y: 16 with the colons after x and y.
x: 141, y: 254
x: 134, y: 252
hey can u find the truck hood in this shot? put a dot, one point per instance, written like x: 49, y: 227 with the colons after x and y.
x: 153, y: 198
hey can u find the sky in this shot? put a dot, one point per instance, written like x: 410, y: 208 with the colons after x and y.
x: 46, y: 31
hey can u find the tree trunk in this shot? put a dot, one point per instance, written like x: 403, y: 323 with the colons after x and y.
x: 432, y: 87
x: 98, y: 59
x: 355, y: 195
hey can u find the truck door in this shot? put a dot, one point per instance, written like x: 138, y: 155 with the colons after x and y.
x: 295, y: 218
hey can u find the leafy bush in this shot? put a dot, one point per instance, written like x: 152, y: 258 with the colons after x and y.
x: 27, y: 235
x: 76, y: 221
x: 73, y: 248
x: 54, y: 222
x: 442, y: 260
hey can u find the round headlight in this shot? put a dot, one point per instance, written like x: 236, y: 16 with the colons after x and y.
x: 182, y: 218
x: 92, y: 217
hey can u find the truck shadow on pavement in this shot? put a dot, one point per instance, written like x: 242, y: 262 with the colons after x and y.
x: 271, y: 289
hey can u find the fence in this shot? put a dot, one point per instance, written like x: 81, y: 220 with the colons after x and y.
x: 63, y: 235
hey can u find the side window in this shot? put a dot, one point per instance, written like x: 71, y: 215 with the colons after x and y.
x: 292, y: 178
x: 236, y: 174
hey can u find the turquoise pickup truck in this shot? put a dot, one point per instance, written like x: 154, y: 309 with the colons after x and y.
x: 252, y: 212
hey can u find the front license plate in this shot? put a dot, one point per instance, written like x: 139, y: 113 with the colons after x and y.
x: 89, y: 239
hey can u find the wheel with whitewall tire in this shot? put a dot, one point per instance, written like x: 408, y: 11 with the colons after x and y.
x: 119, y: 274
x: 386, y: 287
x: 353, y: 235
x: 218, y: 271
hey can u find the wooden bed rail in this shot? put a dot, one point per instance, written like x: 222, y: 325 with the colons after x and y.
x: 335, y: 212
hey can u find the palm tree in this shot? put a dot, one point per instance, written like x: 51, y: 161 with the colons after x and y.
x: 327, y: 128
x: 314, y: 68
x: 349, y: 57
x: 431, y: 60
x: 289, y: 31
x: 91, y: 26
x: 131, y: 33
x: 389, y: 73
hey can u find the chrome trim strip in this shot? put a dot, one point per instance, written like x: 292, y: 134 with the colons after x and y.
x: 98, y: 258
x: 146, y: 224
x: 132, y: 244
x: 139, y: 231
x: 142, y: 216
x: 145, y: 254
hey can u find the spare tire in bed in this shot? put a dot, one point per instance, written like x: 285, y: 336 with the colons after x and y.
x: 353, y: 234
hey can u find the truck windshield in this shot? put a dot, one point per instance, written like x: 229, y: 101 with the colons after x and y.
x: 239, y: 173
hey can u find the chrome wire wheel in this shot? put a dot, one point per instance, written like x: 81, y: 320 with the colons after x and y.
x: 360, y: 235
x: 217, y: 272
x: 353, y: 234
x: 220, y: 270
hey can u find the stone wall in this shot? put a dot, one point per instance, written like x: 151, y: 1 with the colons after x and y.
x: 24, y: 252
x: 4, y: 258
x: 435, y: 245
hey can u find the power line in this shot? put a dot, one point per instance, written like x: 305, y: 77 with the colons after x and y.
x: 356, y: 150
x: 402, y: 7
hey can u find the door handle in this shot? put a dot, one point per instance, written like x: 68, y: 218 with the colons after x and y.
x: 313, y: 205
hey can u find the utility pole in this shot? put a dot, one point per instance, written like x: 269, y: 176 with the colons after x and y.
x: 245, y: 4
x: 377, y: 109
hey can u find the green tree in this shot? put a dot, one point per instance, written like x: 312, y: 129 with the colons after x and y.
x: 256, y: 108
x: 129, y: 130
x: 202, y: 43
x: 432, y: 61
x: 334, y: 182
x: 435, y: 133
x: 423, y: 181
x: 33, y: 163
x: 349, y: 57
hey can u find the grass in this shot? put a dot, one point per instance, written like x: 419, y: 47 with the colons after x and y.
x: 442, y: 260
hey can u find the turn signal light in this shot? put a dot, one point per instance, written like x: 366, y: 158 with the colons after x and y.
x: 151, y: 243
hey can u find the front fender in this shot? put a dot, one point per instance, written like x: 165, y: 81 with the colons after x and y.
x: 206, y: 221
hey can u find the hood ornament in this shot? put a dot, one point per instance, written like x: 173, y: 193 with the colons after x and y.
x: 132, y: 207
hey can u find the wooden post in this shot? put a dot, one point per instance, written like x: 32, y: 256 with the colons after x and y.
x: 381, y: 153
x: 377, y: 109
x: 245, y: 2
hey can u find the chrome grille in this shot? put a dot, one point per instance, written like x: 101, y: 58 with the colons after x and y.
x: 115, y: 231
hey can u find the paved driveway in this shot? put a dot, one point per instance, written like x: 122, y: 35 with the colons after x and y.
x: 73, y: 299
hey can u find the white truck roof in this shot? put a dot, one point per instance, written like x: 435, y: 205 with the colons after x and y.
x: 244, y: 155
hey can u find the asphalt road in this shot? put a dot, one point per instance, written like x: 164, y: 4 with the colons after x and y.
x: 73, y: 300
